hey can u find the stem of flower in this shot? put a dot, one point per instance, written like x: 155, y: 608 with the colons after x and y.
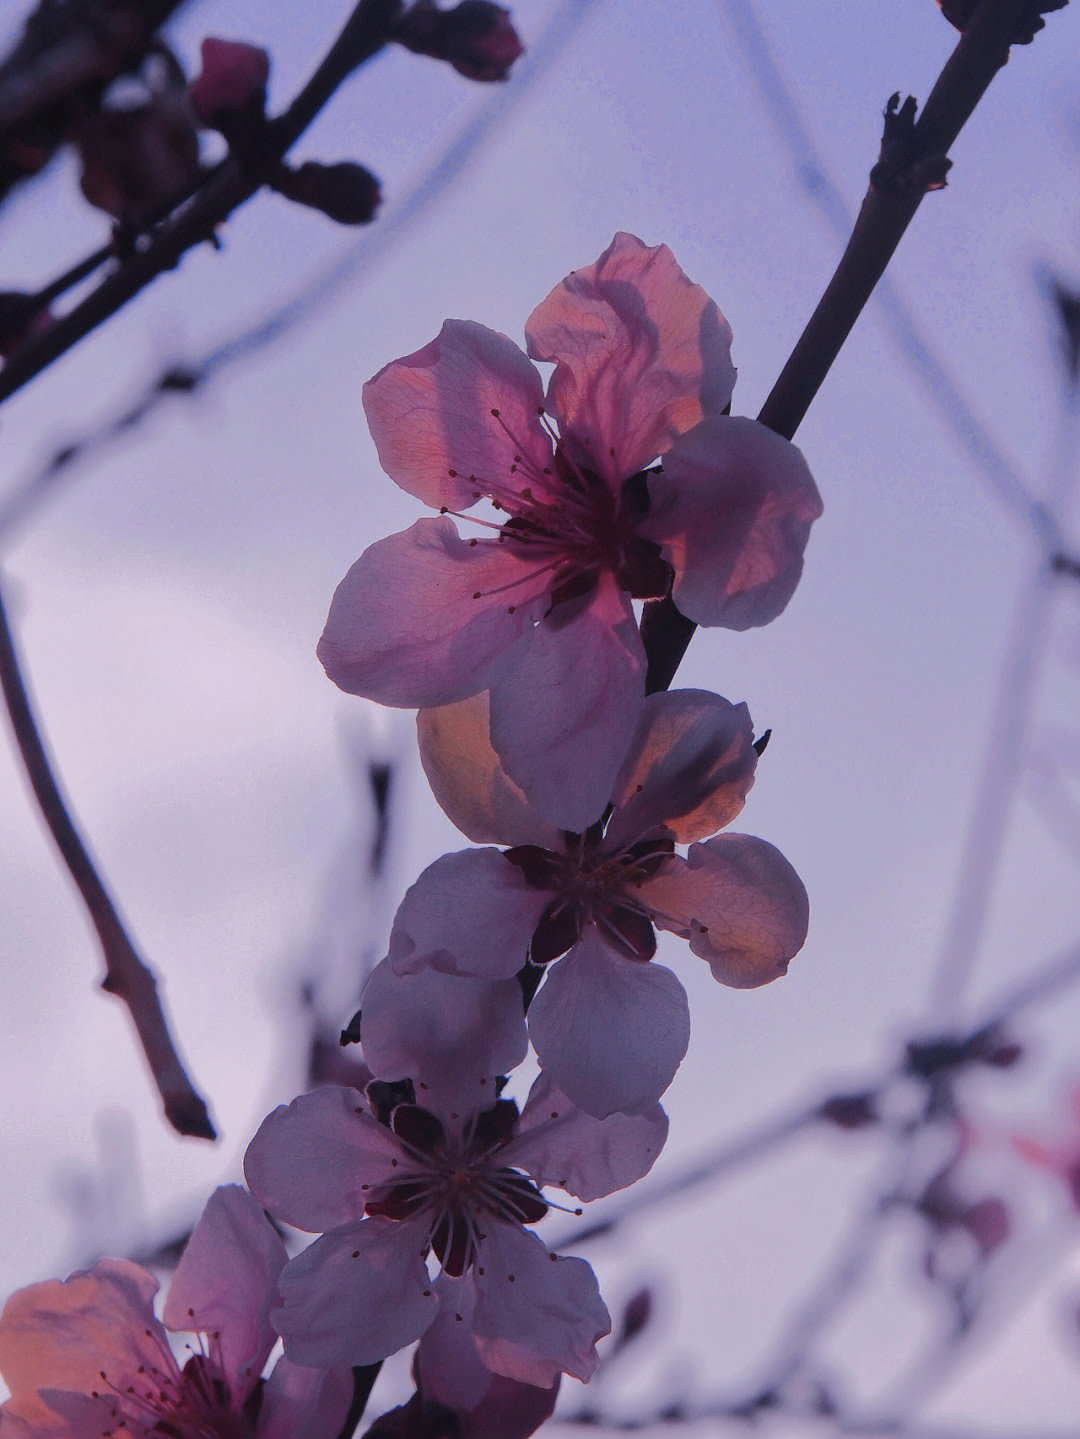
x: 888, y: 208
x: 126, y: 975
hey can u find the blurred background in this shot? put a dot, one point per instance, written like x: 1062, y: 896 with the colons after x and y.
x: 169, y: 583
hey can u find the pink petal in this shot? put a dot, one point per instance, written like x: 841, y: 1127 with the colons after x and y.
x: 537, y: 1315
x: 732, y: 512
x: 357, y: 1295
x: 451, y: 1034
x: 611, y: 1032
x: 312, y: 1161
x: 739, y: 903
x: 59, y: 1335
x: 449, y: 1370
x: 224, y: 1284
x: 473, y: 910
x: 690, y: 767
x: 641, y: 355
x: 467, y: 778
x: 558, y: 1144
x: 432, y: 423
x: 405, y: 627
x: 565, y: 702
x: 509, y: 1410
x: 448, y: 1366
x: 302, y: 1403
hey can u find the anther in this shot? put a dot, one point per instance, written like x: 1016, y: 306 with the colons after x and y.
x: 495, y: 413
x: 356, y: 1254
x: 452, y: 474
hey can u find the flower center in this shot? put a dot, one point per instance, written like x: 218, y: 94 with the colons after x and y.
x: 592, y: 886
x: 456, y: 1181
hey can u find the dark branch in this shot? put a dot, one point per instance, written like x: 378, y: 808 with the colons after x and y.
x: 126, y: 975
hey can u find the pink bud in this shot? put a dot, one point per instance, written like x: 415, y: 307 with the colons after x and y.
x: 477, y: 37
x: 233, y: 79
x: 346, y: 192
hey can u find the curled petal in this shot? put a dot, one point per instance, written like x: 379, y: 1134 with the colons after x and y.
x: 451, y: 1034
x: 537, y: 1315
x: 594, y: 992
x: 302, y: 1403
x: 690, y: 767
x: 431, y: 417
x: 467, y: 778
x: 60, y: 1335
x: 475, y: 908
x: 312, y: 1162
x: 739, y: 903
x: 731, y: 513
x: 641, y: 355
x: 421, y: 615
x: 558, y: 1144
x: 356, y: 1296
x: 224, y: 1284
x: 565, y: 702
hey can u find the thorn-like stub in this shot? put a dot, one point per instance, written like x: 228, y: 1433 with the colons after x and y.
x: 902, y: 170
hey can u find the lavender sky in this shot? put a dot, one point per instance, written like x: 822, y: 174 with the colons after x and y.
x: 170, y: 598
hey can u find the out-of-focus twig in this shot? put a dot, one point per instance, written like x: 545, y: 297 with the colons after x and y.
x: 126, y: 975
x: 183, y: 377
x: 364, y: 34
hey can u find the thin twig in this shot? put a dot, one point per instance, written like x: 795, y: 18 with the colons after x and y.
x: 940, y: 384
x: 126, y: 975
x: 886, y: 212
x: 365, y: 33
x: 190, y: 375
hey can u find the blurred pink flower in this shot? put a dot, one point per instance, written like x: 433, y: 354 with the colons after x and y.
x: 540, y: 613
x: 610, y: 1029
x: 460, y: 1184
x: 86, y: 1358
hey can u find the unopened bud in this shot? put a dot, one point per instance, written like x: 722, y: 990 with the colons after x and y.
x: 850, y: 1111
x: 232, y: 81
x: 346, y: 192
x: 635, y: 1317
x: 136, y: 161
x: 1027, y: 25
x: 477, y: 37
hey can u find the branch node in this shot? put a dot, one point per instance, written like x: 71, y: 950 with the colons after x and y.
x: 902, y: 170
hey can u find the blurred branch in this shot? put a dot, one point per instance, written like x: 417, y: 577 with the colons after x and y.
x: 1003, y: 761
x: 912, y: 161
x: 126, y: 975
x: 233, y: 182
x: 184, y: 377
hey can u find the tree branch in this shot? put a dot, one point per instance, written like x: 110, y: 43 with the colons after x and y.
x: 126, y: 975
x: 890, y: 204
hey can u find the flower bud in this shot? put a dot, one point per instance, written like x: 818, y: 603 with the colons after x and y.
x: 346, y: 192
x: 232, y: 81
x: 477, y: 37
x: 135, y: 161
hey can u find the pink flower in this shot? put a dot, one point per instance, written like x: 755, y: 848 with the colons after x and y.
x: 452, y: 1183
x: 596, y: 898
x: 87, y: 1359
x: 233, y: 79
x: 539, y: 612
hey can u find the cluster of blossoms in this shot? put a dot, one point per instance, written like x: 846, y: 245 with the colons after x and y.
x: 624, y: 480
